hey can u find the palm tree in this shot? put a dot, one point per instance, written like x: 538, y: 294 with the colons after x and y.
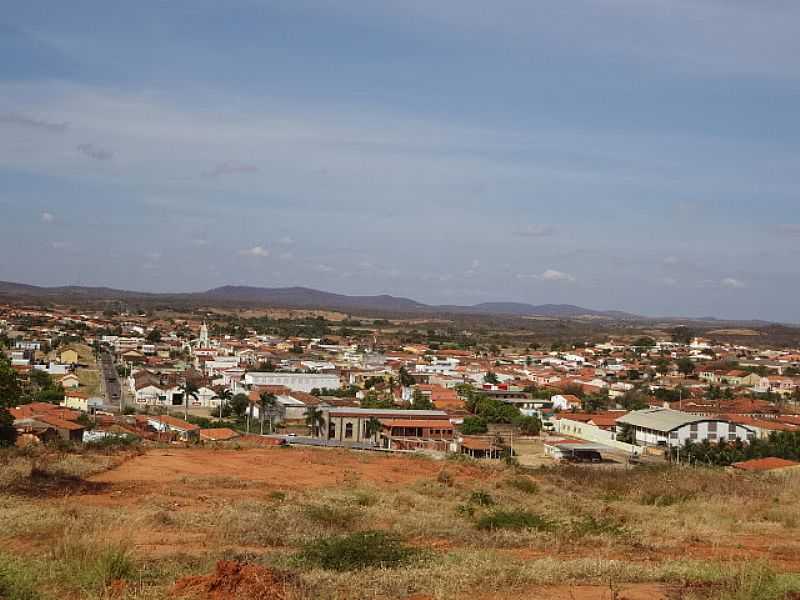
x: 189, y: 389
x: 266, y: 402
x: 224, y: 397
x: 315, y: 419
x: 372, y: 428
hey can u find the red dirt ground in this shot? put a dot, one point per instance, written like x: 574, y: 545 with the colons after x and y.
x: 235, y: 580
x: 292, y: 468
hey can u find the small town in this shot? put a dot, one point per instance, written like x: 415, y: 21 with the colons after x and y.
x: 288, y: 453
x: 87, y: 377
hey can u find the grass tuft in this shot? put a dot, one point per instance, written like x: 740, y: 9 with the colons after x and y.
x: 514, y: 519
x: 357, y: 551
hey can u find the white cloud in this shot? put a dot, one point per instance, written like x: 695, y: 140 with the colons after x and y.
x: 286, y: 240
x: 322, y: 268
x: 553, y: 275
x: 549, y: 275
x: 60, y: 245
x: 730, y: 282
x: 668, y: 281
x: 671, y: 260
x: 48, y: 217
x: 259, y: 251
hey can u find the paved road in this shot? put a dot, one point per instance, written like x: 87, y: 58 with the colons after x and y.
x: 111, y: 384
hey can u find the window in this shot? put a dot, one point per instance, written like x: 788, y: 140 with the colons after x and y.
x: 712, y: 426
x: 712, y: 437
x: 673, y: 435
x: 693, y: 427
x: 731, y: 427
x: 693, y: 435
x: 331, y: 430
x: 348, y: 430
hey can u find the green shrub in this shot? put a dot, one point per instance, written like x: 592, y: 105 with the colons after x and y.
x: 589, y: 525
x: 17, y: 581
x: 481, y: 498
x: 364, y: 499
x: 331, y: 516
x: 523, y: 484
x: 357, y: 551
x: 474, y: 426
x: 514, y: 519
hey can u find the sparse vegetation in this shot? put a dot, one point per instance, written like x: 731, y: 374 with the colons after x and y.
x: 451, y: 530
x: 514, y: 519
x: 357, y: 551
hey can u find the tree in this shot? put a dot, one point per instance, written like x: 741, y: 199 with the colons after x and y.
x: 153, y: 336
x: 315, y: 419
x: 224, y: 399
x: 10, y: 389
x: 529, y: 425
x: 239, y: 404
x: 189, y: 390
x: 626, y: 434
x: 633, y: 400
x: 406, y: 380
x: 685, y: 366
x: 10, y: 392
x: 266, y: 405
x: 373, y: 400
x: 421, y: 401
x: 372, y: 428
x: 491, y: 377
x: 594, y: 402
x: 474, y: 426
x: 662, y: 366
x: 8, y: 434
x: 682, y: 335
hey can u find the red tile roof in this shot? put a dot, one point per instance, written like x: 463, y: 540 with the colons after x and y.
x: 766, y: 464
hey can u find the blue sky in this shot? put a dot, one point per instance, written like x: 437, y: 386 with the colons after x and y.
x: 617, y: 154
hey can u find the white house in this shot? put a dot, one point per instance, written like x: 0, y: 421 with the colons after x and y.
x: 666, y: 427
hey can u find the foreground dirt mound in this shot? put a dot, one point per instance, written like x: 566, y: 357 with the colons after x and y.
x: 236, y: 580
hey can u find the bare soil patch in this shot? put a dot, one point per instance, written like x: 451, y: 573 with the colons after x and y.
x: 41, y: 484
x: 236, y: 580
x: 291, y: 468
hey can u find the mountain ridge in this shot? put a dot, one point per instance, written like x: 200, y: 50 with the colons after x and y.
x: 305, y: 297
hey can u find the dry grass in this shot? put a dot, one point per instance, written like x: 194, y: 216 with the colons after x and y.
x: 602, y: 525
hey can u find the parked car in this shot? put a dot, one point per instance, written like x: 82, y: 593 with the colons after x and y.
x: 592, y: 456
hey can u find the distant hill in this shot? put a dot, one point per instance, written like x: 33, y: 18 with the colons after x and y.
x: 302, y: 297
x: 547, y: 310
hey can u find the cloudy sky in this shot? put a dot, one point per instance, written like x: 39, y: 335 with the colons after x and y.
x: 618, y: 154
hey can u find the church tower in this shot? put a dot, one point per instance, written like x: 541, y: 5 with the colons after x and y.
x: 204, y: 335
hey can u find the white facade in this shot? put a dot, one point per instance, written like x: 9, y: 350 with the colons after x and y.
x: 301, y: 382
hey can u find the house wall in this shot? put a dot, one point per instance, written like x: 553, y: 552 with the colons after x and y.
x: 712, y: 430
x: 357, y: 424
x: 593, y: 433
x: 302, y: 382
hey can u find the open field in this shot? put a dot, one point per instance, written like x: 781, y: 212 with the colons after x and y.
x: 153, y: 524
